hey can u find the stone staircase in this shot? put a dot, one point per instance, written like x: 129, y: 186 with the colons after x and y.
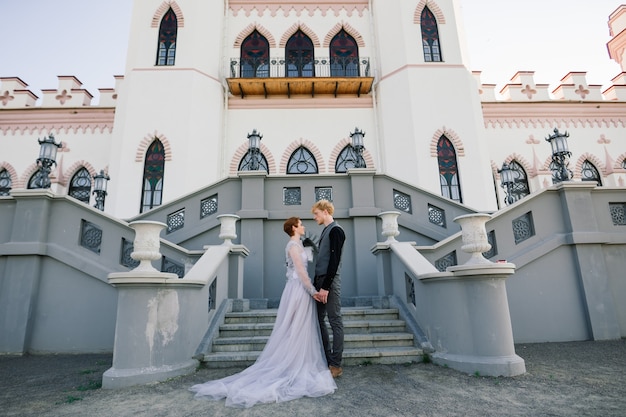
x: 371, y: 335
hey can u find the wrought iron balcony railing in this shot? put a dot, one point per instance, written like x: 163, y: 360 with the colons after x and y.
x: 303, y: 67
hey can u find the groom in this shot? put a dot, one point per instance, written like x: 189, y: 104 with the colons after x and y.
x: 328, y: 282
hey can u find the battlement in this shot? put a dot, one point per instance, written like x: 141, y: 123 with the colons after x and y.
x: 573, y: 87
x: 14, y: 94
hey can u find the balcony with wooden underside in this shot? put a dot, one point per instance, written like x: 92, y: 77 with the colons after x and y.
x: 321, y: 76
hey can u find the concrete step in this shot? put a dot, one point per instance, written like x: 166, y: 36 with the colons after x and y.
x: 349, y: 327
x: 365, y: 356
x: 371, y: 336
x: 349, y: 313
x: 351, y: 341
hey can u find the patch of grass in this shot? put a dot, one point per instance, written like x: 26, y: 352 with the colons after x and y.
x: 102, y: 362
x: 426, y: 358
x: 476, y: 374
x: 88, y: 371
x: 366, y: 363
x: 70, y: 399
x: 91, y: 385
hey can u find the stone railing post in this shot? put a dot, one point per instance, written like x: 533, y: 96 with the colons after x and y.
x: 156, y: 312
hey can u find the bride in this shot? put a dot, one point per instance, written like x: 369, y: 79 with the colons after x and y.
x: 292, y: 364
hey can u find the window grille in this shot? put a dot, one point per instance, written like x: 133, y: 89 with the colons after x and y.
x: 5, y: 182
x: 523, y: 228
x: 90, y: 236
x: 80, y: 185
x: 402, y: 201
x: 302, y: 161
x: 590, y: 173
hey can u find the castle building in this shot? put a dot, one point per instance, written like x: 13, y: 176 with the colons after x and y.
x: 255, y: 110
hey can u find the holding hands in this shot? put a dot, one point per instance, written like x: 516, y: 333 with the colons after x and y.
x: 321, y: 296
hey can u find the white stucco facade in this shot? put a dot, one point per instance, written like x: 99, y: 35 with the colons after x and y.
x: 203, y: 125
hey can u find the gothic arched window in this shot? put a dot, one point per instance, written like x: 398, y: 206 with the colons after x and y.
x: 302, y: 161
x: 248, y: 164
x: 448, y: 170
x: 590, y: 173
x: 347, y: 159
x: 430, y: 36
x: 255, y: 54
x: 344, y: 56
x: 5, y: 182
x: 80, y: 185
x: 167, y: 39
x: 519, y: 187
x: 153, y: 173
x: 299, y: 56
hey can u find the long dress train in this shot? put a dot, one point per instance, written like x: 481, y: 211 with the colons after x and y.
x: 292, y: 364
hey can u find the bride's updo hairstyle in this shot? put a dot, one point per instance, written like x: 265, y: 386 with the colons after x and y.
x: 290, y: 223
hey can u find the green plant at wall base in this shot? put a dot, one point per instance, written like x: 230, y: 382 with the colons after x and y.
x: 70, y: 399
x: 476, y: 373
x: 91, y: 385
x: 426, y: 358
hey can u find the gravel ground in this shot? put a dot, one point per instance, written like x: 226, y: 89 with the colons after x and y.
x: 561, y: 379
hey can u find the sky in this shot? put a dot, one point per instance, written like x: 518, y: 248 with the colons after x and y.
x: 43, y: 39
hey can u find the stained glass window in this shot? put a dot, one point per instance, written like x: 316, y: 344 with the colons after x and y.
x: 255, y: 53
x: 167, y: 39
x: 344, y: 56
x: 5, y: 182
x: 448, y: 170
x: 302, y: 161
x: 430, y: 36
x: 153, y: 172
x: 299, y: 57
x: 590, y: 173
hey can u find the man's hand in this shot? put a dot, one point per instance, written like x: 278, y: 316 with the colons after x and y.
x: 322, y: 296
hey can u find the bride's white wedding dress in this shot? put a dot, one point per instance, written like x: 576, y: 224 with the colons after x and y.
x: 292, y: 364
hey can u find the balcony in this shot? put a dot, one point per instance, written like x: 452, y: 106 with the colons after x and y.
x: 278, y: 77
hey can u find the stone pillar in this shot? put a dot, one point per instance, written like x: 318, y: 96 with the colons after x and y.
x: 477, y: 336
x: 155, y: 331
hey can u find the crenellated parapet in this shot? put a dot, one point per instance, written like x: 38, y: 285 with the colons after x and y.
x: 21, y: 114
x: 572, y: 87
x: 14, y: 94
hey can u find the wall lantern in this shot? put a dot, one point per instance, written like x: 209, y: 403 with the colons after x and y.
x: 357, y: 144
x: 560, y: 156
x: 507, y: 179
x: 100, y: 182
x: 254, y: 149
x: 47, y: 158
